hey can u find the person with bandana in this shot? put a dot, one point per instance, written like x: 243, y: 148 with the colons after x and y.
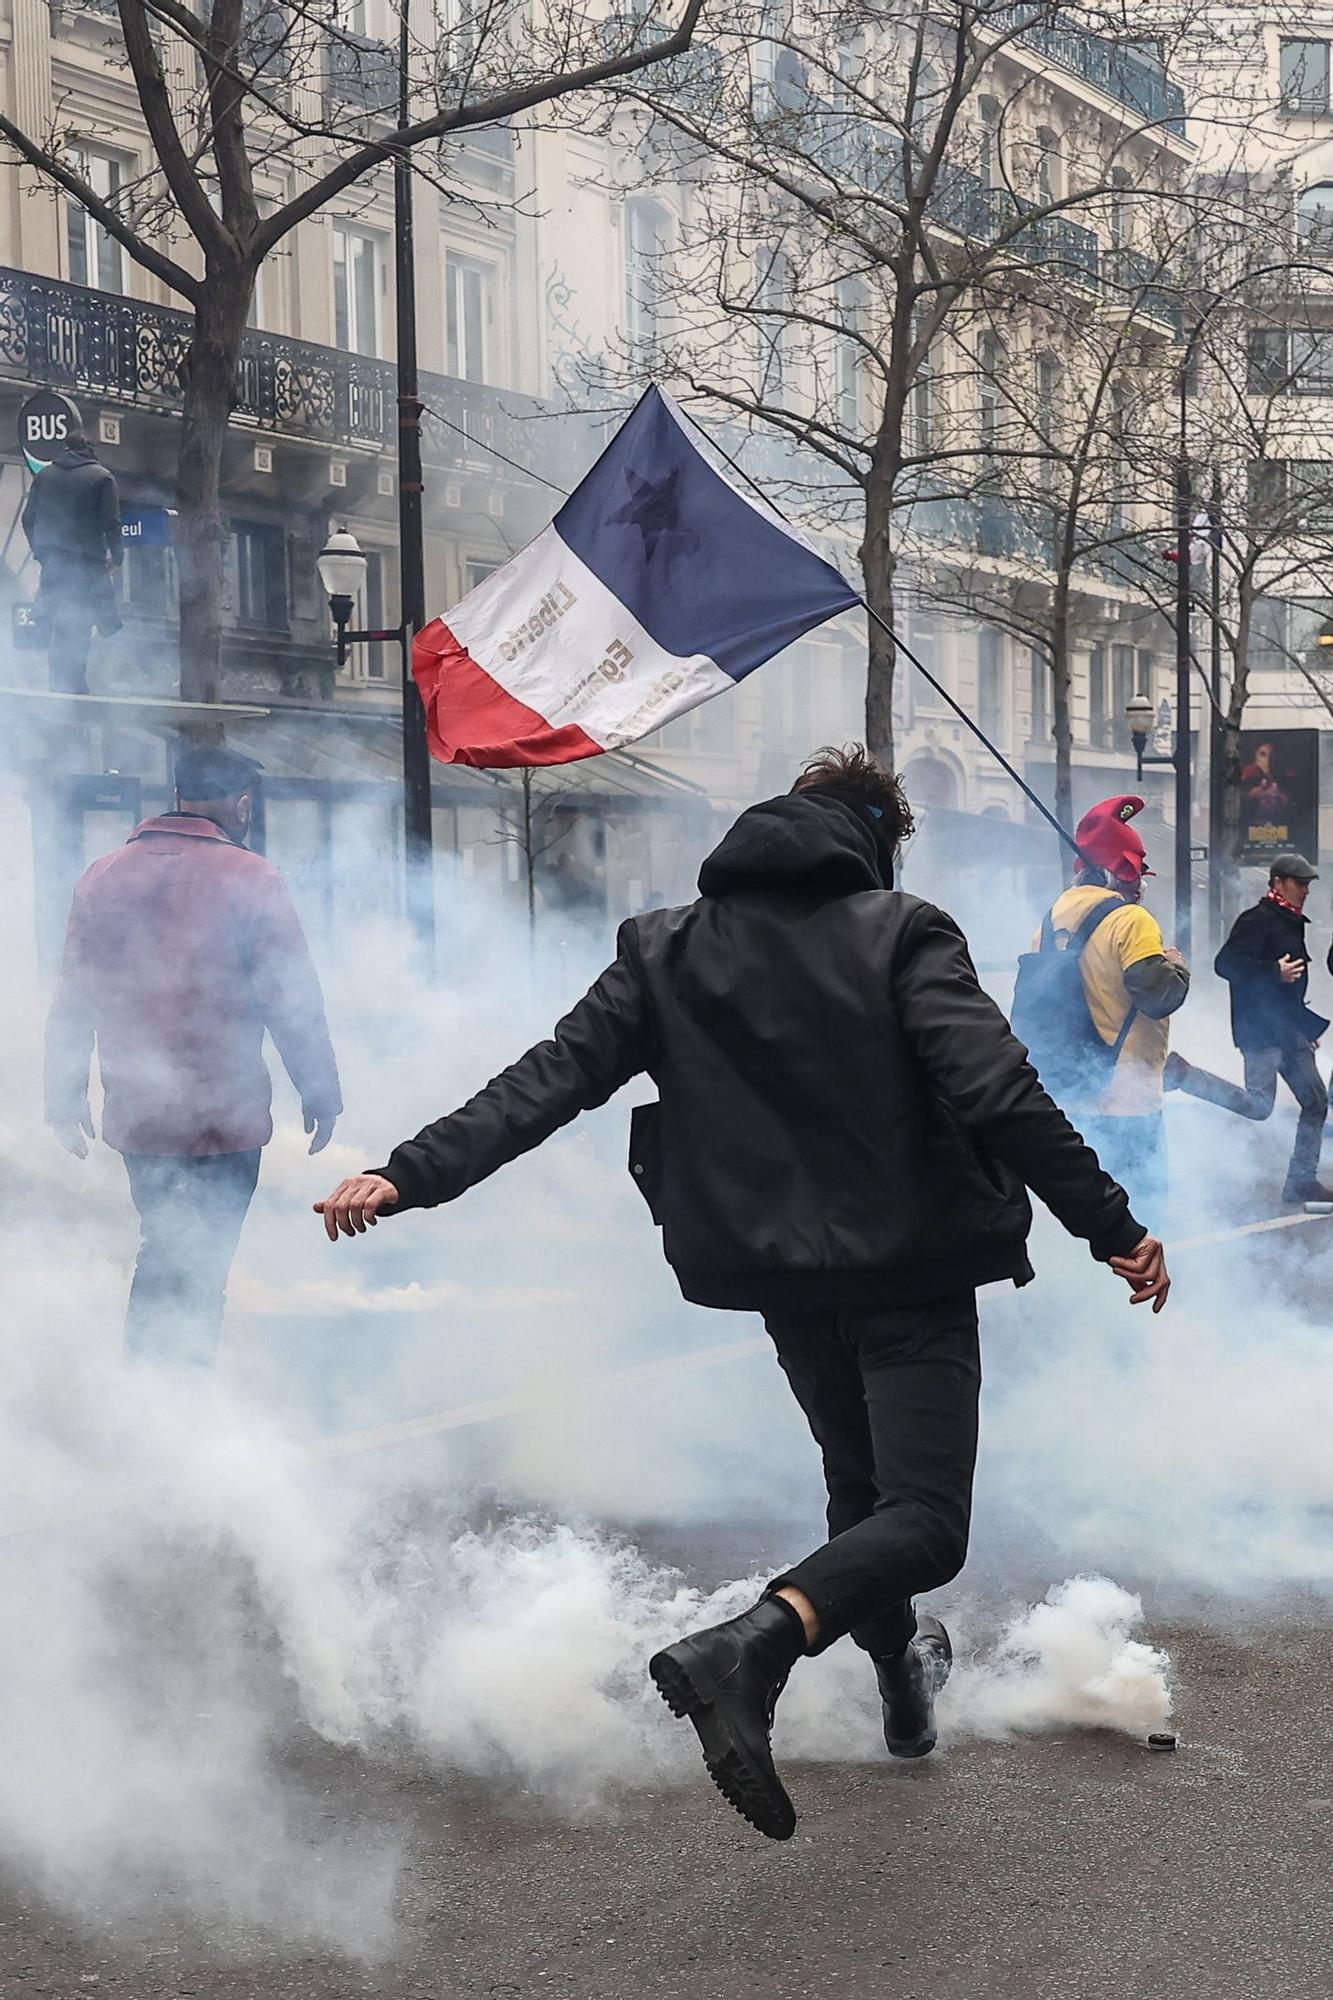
x: 843, y: 1140
x: 1266, y: 963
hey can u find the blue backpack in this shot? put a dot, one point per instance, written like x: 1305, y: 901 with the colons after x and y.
x: 1051, y: 1015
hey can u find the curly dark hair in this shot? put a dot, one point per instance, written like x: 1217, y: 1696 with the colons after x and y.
x: 863, y: 780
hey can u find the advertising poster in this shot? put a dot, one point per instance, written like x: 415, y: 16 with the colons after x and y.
x: 1279, y: 793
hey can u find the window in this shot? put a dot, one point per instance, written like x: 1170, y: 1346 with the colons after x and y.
x: 775, y: 296
x: 1119, y: 212
x: 476, y: 570
x: 1303, y: 77
x: 851, y: 308
x: 1048, y: 409
x: 1268, y: 633
x: 1314, y: 217
x: 922, y: 409
x: 1040, y: 683
x: 990, y: 683
x: 1050, y: 166
x: 990, y: 367
x: 1118, y: 475
x: 990, y: 164
x: 259, y: 575
x: 95, y: 258
x: 367, y: 662
x: 470, y: 306
x: 358, y: 283
x: 1123, y: 684
x: 647, y: 239
x: 1298, y: 362
x: 1099, y: 721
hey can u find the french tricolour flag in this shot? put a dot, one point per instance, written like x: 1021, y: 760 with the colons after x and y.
x: 658, y: 585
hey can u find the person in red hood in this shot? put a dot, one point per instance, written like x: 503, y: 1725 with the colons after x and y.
x: 183, y: 948
x: 1132, y: 983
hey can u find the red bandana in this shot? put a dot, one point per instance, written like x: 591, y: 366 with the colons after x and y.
x: 1282, y: 903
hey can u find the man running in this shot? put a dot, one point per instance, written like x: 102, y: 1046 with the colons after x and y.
x: 842, y: 1135
x: 1266, y: 963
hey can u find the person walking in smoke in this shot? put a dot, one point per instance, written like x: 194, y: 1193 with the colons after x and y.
x: 1129, y: 983
x: 182, y: 948
x: 1267, y: 966
x: 844, y: 1128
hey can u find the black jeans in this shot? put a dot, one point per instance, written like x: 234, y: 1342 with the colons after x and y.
x: 891, y: 1398
x: 1299, y: 1071
x: 190, y: 1215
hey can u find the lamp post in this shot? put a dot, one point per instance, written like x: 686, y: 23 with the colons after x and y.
x: 1142, y: 718
x: 342, y: 571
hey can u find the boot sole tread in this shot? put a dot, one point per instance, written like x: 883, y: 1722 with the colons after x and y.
x: 727, y: 1768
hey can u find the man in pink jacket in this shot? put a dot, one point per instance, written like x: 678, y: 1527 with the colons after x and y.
x: 183, y: 948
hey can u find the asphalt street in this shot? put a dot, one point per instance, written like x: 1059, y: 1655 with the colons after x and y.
x: 1071, y: 1865
x: 1084, y: 1865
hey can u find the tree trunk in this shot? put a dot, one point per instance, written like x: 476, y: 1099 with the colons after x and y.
x: 877, y: 573
x: 210, y: 393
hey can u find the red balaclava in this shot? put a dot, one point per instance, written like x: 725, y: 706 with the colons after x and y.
x: 1106, y: 838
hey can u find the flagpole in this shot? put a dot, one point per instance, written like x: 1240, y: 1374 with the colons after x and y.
x: 907, y: 653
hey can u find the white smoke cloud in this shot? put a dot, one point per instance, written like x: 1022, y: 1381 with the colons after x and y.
x: 201, y: 1581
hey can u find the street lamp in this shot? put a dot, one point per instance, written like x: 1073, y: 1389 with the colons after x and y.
x: 1143, y: 719
x: 342, y: 565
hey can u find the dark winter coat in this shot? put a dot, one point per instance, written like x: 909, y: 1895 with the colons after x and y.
x: 844, y: 1116
x: 1265, y: 1012
x: 73, y: 509
x: 182, y: 949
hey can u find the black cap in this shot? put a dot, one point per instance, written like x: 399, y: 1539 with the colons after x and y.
x: 1293, y: 866
x: 211, y: 771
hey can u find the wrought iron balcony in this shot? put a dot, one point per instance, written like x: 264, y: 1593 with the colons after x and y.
x: 121, y: 350
x: 1130, y: 72
x: 964, y: 204
x: 71, y: 337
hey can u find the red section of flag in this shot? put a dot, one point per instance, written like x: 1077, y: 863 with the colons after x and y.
x: 470, y: 719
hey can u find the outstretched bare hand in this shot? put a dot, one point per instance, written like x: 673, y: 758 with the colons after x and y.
x: 354, y: 1205
x: 1145, y: 1272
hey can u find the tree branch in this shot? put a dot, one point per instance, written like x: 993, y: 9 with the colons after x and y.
x: 487, y: 111
x: 143, y: 252
x: 155, y: 103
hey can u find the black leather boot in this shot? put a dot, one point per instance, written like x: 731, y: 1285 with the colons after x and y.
x: 909, y: 1685
x: 727, y: 1681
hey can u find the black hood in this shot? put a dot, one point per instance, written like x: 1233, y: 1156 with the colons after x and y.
x: 812, y: 843
x: 79, y: 452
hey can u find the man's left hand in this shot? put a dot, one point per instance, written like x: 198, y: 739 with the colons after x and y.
x: 74, y: 1133
x: 322, y: 1129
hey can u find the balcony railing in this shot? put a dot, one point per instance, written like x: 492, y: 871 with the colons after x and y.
x: 1129, y: 72
x: 963, y: 203
x: 1135, y: 280
x: 121, y: 350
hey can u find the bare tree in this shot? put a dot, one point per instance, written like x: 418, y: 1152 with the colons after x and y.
x: 871, y: 196
x: 227, y: 88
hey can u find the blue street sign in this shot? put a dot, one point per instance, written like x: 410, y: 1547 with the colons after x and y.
x: 146, y: 527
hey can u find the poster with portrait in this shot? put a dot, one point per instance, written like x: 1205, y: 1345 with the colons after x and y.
x: 1279, y: 793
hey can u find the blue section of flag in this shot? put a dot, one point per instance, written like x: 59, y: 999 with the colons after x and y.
x: 700, y: 568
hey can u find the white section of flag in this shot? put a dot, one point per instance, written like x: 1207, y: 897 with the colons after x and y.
x: 554, y: 637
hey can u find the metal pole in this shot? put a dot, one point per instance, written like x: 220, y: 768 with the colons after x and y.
x: 1216, y: 741
x: 417, y: 840
x: 1184, y: 692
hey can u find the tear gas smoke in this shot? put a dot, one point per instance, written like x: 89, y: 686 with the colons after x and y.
x: 191, y: 1586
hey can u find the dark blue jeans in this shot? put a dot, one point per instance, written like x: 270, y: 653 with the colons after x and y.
x: 891, y: 1399
x: 190, y: 1216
